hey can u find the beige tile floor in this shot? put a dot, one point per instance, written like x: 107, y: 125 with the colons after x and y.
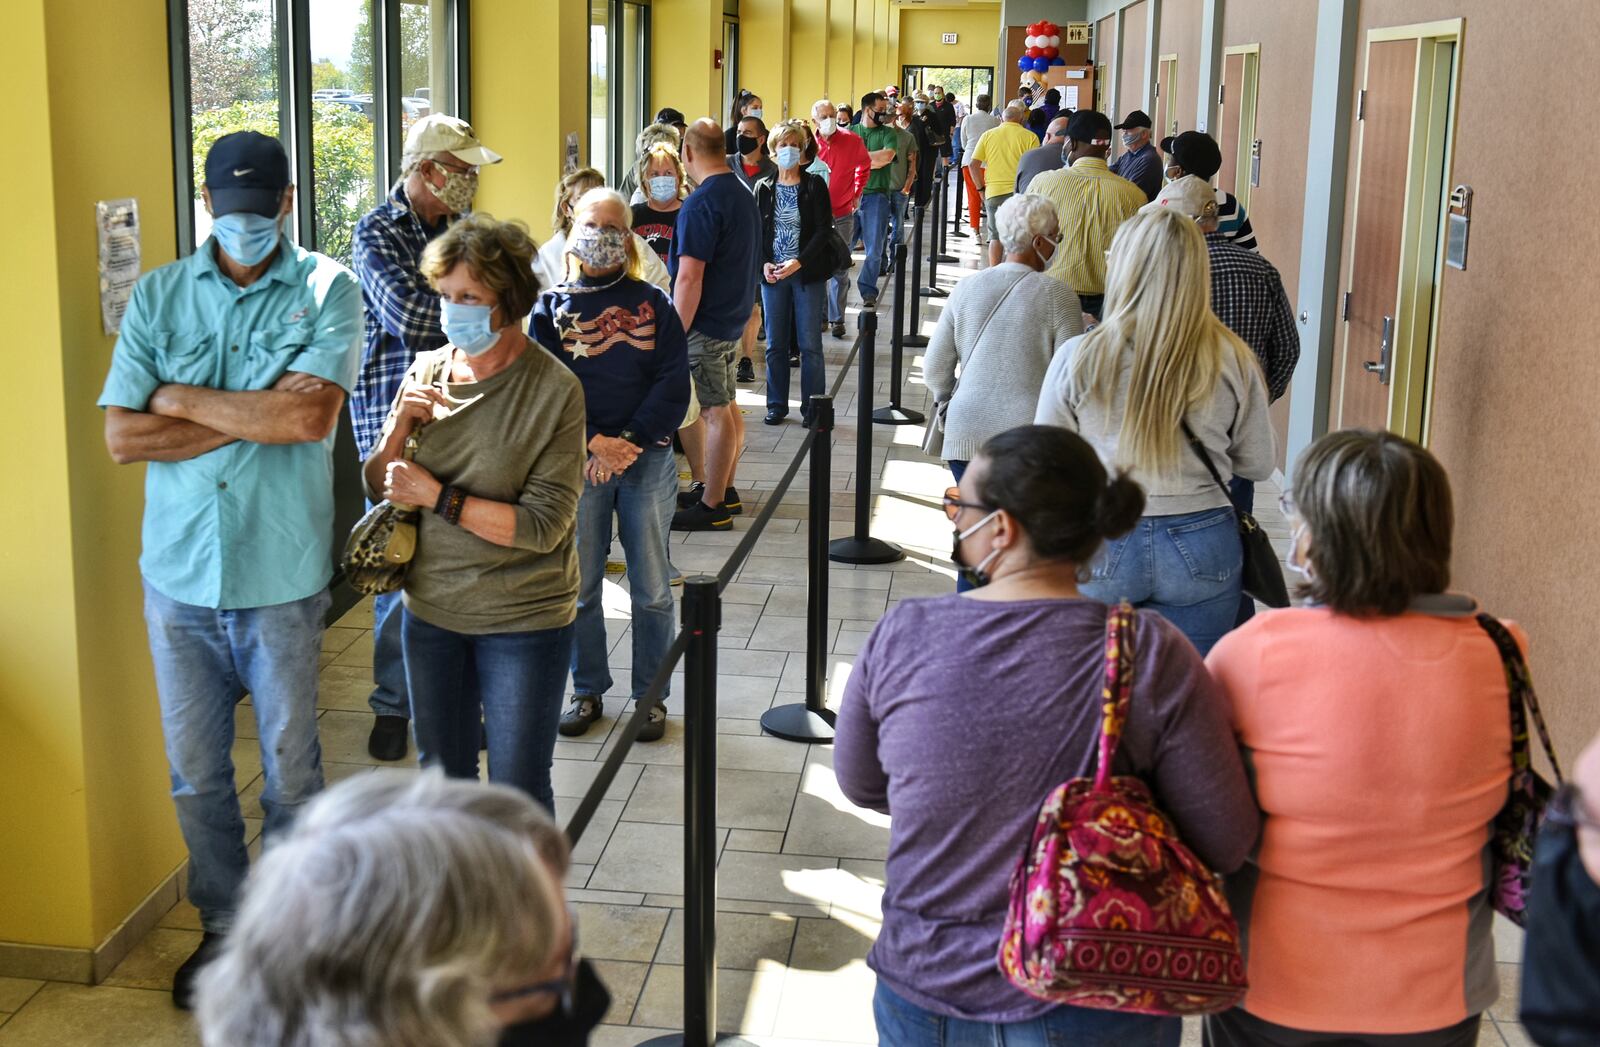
x: 800, y: 875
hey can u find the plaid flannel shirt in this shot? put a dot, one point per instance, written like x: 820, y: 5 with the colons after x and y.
x: 1247, y: 295
x: 401, y: 310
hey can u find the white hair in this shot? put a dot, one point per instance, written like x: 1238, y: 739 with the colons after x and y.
x: 409, y: 162
x: 1022, y: 218
x: 1016, y: 112
x: 816, y: 107
x: 394, y: 908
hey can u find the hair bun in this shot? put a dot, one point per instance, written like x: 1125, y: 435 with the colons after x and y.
x: 1120, y: 505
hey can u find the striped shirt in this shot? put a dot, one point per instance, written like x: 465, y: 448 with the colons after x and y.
x: 1233, y: 223
x: 1090, y: 204
x: 1248, y: 297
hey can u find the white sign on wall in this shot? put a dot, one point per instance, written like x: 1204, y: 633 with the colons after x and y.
x: 948, y: 38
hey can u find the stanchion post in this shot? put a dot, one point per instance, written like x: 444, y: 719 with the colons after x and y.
x: 941, y: 241
x: 861, y: 547
x: 894, y: 414
x: 933, y: 290
x: 961, y: 196
x: 813, y: 721
x: 913, y: 337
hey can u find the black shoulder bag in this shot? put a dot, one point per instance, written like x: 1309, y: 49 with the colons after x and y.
x: 1263, y: 577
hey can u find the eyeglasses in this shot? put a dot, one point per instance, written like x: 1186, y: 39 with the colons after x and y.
x: 561, y: 985
x: 467, y: 169
x: 953, y: 504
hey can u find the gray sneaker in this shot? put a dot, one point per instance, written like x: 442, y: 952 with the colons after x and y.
x: 584, y: 711
x: 655, y: 727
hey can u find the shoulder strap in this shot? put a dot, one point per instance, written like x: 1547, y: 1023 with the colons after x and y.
x: 1520, y: 685
x: 1205, y: 456
x: 985, y: 326
x: 1117, y: 694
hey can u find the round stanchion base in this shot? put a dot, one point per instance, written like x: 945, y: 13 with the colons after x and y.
x: 864, y: 550
x: 962, y: 233
x: 943, y: 258
x: 677, y: 1040
x: 797, y: 723
x: 896, y: 415
x: 932, y: 292
x: 914, y: 341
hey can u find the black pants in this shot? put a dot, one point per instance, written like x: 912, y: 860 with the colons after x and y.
x: 1092, y: 304
x: 1239, y: 1028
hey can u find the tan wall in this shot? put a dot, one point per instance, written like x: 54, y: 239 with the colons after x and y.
x: 1105, y: 35
x: 1130, y: 77
x: 1180, y: 35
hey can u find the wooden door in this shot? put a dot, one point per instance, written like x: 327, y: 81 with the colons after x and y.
x: 1228, y: 114
x: 1374, y: 289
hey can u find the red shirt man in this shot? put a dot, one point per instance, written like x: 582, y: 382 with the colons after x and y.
x: 849, y: 165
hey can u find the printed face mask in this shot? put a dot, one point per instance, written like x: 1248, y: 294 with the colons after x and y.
x: 663, y: 188
x: 599, y: 247
x: 458, y: 190
x: 787, y: 156
x: 978, y: 576
x: 470, y: 328
x: 1129, y: 137
x: 245, y: 237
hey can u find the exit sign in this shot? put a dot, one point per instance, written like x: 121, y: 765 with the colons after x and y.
x: 948, y: 38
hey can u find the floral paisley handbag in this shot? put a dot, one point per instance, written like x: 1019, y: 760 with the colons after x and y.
x: 381, y: 544
x: 1514, y: 829
x: 1108, y: 908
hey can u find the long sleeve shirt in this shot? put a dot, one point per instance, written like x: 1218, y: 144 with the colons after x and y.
x: 847, y: 159
x: 1143, y: 168
x: 401, y: 314
x: 1248, y: 297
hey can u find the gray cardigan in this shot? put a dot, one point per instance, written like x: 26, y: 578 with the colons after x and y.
x: 1002, y: 373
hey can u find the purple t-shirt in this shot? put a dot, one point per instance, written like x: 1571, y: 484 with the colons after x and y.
x: 959, y: 718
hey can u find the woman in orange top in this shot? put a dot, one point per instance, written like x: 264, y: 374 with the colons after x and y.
x: 1377, y: 722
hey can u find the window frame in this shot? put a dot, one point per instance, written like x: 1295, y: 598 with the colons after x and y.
x: 619, y: 140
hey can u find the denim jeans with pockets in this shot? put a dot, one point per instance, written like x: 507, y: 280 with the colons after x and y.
x: 794, y: 313
x: 875, y: 211
x: 903, y: 1024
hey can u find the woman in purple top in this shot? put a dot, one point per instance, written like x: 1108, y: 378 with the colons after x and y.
x: 964, y: 711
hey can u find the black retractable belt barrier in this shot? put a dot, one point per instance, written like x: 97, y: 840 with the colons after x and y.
x: 913, y: 337
x: 941, y: 241
x: 861, y: 547
x: 894, y: 414
x: 961, y: 196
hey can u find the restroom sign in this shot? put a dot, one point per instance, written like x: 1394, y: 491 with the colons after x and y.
x: 948, y: 38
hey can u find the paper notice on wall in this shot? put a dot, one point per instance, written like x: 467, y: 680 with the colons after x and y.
x: 1069, y: 96
x: 117, y: 223
x: 572, y: 153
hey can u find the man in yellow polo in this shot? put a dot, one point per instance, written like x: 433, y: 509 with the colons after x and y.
x: 994, y: 166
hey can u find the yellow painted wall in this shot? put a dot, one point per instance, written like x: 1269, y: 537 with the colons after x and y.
x: 808, y: 54
x: 681, y: 74
x: 887, y: 69
x: 977, y: 37
x: 842, y: 51
x: 530, y: 88
x: 764, y: 65
x: 865, y: 76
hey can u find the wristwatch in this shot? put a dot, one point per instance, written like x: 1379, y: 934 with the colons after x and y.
x: 632, y: 437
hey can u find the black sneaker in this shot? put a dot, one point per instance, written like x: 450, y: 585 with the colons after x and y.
x: 838, y: 329
x: 580, y: 715
x: 774, y: 417
x: 747, y: 370
x: 731, y: 502
x: 183, y: 978
x: 655, y: 727
x: 691, y: 497
x: 794, y: 360
x: 701, y: 517
x: 388, y: 738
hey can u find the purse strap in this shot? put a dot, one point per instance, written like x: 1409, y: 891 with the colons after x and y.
x: 985, y: 326
x: 1205, y: 456
x: 1117, y: 693
x: 1520, y: 685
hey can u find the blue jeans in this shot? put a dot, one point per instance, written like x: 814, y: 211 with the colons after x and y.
x: 521, y: 679
x: 899, y: 204
x: 839, y: 282
x: 642, y: 499
x: 1243, y: 494
x: 205, y: 661
x: 875, y: 211
x: 1186, y: 567
x: 903, y: 1024
x: 794, y: 313
x: 388, y: 661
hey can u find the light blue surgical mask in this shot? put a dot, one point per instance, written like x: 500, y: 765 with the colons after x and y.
x: 245, y: 237
x: 663, y: 188
x: 787, y: 156
x: 470, y: 328
x: 757, y: 112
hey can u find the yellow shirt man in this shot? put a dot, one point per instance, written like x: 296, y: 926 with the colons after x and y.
x: 1090, y: 204
x: 1000, y: 150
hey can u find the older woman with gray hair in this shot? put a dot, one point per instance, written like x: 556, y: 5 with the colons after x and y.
x: 1000, y: 329
x: 408, y: 911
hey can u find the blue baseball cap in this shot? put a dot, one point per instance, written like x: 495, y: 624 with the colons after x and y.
x: 247, y: 171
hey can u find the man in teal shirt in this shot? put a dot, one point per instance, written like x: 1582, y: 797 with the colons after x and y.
x: 878, y: 134
x: 228, y: 377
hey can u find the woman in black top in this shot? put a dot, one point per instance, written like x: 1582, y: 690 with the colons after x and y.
x: 797, y: 252
x: 662, y: 179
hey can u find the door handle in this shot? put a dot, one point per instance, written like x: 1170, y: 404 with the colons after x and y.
x: 1380, y: 366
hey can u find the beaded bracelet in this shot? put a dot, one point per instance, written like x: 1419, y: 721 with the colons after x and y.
x: 451, y: 501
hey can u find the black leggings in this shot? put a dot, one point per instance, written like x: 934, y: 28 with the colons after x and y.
x: 1239, y: 1028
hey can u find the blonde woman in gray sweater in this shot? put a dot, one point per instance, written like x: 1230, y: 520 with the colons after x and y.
x: 1159, y: 367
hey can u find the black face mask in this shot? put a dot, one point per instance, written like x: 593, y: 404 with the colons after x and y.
x: 748, y: 145
x: 879, y: 118
x: 978, y: 576
x: 1561, y: 961
x: 570, y: 1024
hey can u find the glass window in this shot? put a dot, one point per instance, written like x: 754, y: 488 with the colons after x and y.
x: 633, y: 108
x: 233, y: 81
x: 343, y: 118
x: 427, y: 61
x: 599, y: 85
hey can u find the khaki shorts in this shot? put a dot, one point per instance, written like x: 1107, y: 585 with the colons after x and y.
x: 991, y: 207
x: 712, y: 363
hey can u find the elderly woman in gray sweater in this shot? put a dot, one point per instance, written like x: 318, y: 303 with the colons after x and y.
x: 1000, y: 330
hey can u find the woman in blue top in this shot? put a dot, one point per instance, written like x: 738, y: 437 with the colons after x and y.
x: 797, y: 259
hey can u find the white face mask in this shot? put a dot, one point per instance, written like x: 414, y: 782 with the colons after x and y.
x: 1295, y: 561
x: 827, y: 125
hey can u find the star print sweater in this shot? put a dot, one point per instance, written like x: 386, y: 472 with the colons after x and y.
x: 627, y: 347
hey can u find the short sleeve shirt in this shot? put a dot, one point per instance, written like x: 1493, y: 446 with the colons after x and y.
x: 246, y: 524
x: 658, y: 228
x: 875, y: 138
x: 718, y: 224
x: 1000, y: 150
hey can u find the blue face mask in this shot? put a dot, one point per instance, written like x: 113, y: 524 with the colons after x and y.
x: 469, y: 327
x: 245, y: 237
x: 663, y: 188
x: 787, y: 156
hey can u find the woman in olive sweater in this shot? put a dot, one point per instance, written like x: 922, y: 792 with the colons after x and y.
x: 498, y: 429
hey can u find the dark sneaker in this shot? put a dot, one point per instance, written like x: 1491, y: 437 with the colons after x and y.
x: 183, y: 978
x: 869, y: 304
x: 693, y: 496
x: 747, y: 370
x: 838, y: 329
x: 774, y: 417
x: 731, y: 502
x: 655, y: 727
x: 701, y: 517
x: 580, y: 715
x: 388, y: 738
x: 794, y: 360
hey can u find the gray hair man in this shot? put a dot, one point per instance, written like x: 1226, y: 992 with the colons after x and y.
x: 438, y: 180
x: 1050, y: 156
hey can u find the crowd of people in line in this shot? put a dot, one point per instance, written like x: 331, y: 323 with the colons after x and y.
x: 1102, y: 391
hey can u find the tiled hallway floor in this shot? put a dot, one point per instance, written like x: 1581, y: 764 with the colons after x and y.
x: 801, y: 870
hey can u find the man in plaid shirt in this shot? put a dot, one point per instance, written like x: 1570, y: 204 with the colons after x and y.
x: 438, y: 179
x: 1248, y: 297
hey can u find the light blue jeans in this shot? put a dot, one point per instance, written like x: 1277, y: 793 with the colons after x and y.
x: 1187, y: 568
x: 643, y: 499
x: 794, y: 315
x: 205, y: 661
x: 903, y: 1024
x: 876, y: 209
